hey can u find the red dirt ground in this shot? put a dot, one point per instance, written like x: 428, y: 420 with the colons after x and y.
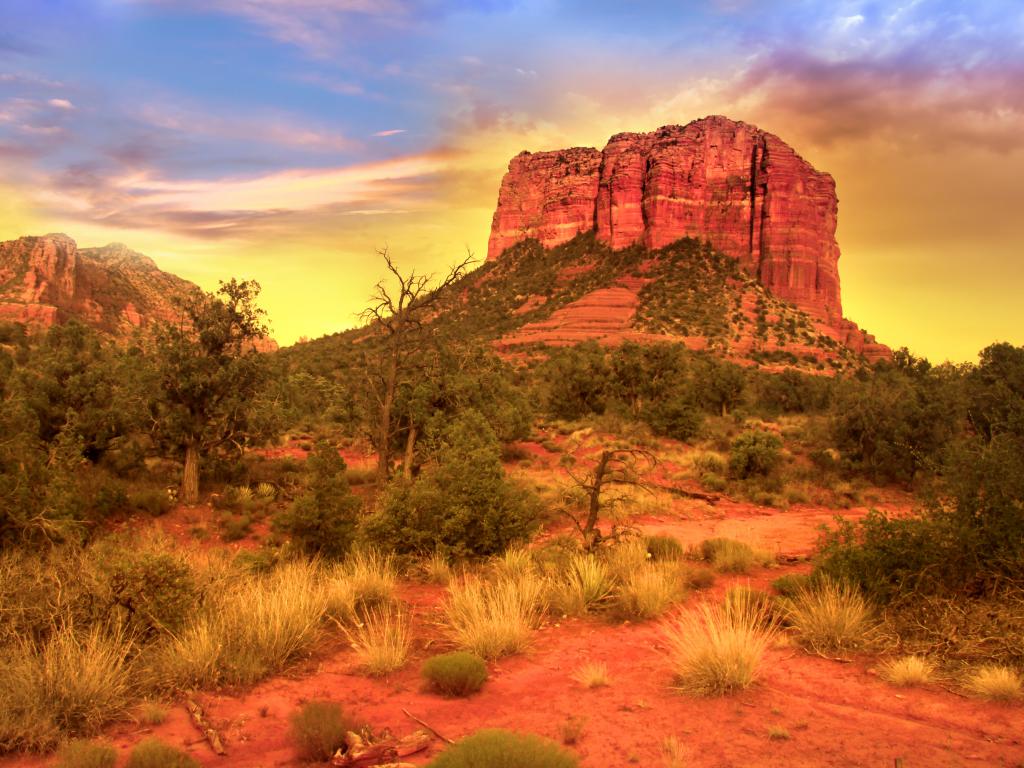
x: 835, y: 713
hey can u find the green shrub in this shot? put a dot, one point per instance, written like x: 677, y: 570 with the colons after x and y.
x: 80, y: 753
x: 496, y: 748
x: 152, y: 588
x: 713, y: 482
x: 462, y: 506
x: 153, y: 753
x: 663, y: 547
x: 677, y: 417
x: 109, y: 499
x: 236, y: 528
x: 155, y: 501
x: 455, y: 674
x: 322, y: 521
x: 318, y: 730
x: 754, y: 453
x: 791, y: 584
x: 709, y: 462
x: 700, y: 577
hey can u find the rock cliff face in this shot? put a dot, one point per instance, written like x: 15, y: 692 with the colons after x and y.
x: 740, y: 188
x: 47, y: 280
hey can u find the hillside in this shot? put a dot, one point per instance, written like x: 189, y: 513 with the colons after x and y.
x: 49, y: 280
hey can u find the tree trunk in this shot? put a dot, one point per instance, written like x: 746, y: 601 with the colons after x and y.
x: 190, y: 477
x: 589, y: 532
x: 384, y: 428
x: 410, y: 452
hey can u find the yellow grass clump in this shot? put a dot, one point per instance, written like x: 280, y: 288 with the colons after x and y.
x: 494, y: 619
x: 830, y: 617
x: 381, y: 641
x: 252, y: 630
x: 996, y: 682
x: 585, y: 585
x: 73, y: 684
x: 372, y: 575
x: 648, y: 591
x: 593, y: 674
x: 718, y: 648
x: 907, y: 670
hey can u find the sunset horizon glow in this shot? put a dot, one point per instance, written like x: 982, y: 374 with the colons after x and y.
x: 286, y: 141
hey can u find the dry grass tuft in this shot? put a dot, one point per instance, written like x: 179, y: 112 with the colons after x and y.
x: 494, y: 619
x: 731, y: 556
x: 907, y: 670
x: 831, y: 617
x: 251, y: 631
x: 648, y: 592
x: 718, y: 649
x: 593, y: 674
x: 372, y: 576
x: 79, y: 753
x: 996, y: 682
x: 73, y: 684
x: 585, y: 585
x: 382, y: 640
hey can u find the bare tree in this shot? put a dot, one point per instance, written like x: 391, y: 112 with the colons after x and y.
x: 399, y: 316
x: 614, y: 468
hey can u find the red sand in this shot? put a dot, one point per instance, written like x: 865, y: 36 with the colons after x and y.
x: 836, y: 714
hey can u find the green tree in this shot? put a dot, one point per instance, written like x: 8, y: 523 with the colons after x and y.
x: 398, y: 320
x: 576, y: 380
x: 462, y: 503
x: 207, y: 372
x: 719, y: 385
x: 323, y: 520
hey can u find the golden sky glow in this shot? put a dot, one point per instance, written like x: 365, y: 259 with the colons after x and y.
x: 270, y: 150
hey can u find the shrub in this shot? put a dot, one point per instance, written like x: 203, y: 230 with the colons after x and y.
x: 713, y: 482
x: 586, y: 584
x: 592, y: 675
x: 463, y: 505
x: 495, y: 748
x: 236, y: 528
x: 677, y: 417
x: 709, y: 462
x: 80, y: 753
x: 318, y: 730
x: 455, y: 674
x: 662, y: 547
x: 792, y: 584
x: 322, y: 521
x: 718, y: 649
x: 699, y: 577
x: 155, y: 501
x: 153, y: 753
x: 907, y: 670
x: 647, y: 592
x: 152, y: 587
x: 754, y: 453
x: 494, y: 620
x: 381, y: 641
x: 830, y: 617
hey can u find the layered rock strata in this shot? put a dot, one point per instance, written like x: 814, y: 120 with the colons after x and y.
x: 743, y: 189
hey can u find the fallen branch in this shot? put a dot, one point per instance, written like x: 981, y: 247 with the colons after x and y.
x: 430, y: 728
x: 208, y: 731
x: 359, y: 753
x: 710, y: 498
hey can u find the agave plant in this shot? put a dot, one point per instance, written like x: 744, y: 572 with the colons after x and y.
x: 266, y: 491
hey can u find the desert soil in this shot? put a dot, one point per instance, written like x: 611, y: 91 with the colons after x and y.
x: 823, y: 712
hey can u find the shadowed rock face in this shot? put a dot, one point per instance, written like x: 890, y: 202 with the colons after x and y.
x: 743, y: 189
x: 47, y: 280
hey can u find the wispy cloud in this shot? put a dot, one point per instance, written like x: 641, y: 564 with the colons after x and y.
x: 391, y: 132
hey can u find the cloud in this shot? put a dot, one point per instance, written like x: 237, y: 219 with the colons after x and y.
x: 61, y: 104
x: 391, y: 132
x: 236, y: 207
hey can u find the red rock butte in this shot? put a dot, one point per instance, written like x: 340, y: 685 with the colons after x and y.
x: 742, y: 189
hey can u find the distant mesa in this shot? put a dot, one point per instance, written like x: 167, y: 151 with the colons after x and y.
x: 718, y: 180
x: 50, y: 280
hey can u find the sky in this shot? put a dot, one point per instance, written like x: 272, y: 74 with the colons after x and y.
x: 287, y: 141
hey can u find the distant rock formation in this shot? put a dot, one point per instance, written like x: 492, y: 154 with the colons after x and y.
x: 49, y: 279
x: 740, y: 188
